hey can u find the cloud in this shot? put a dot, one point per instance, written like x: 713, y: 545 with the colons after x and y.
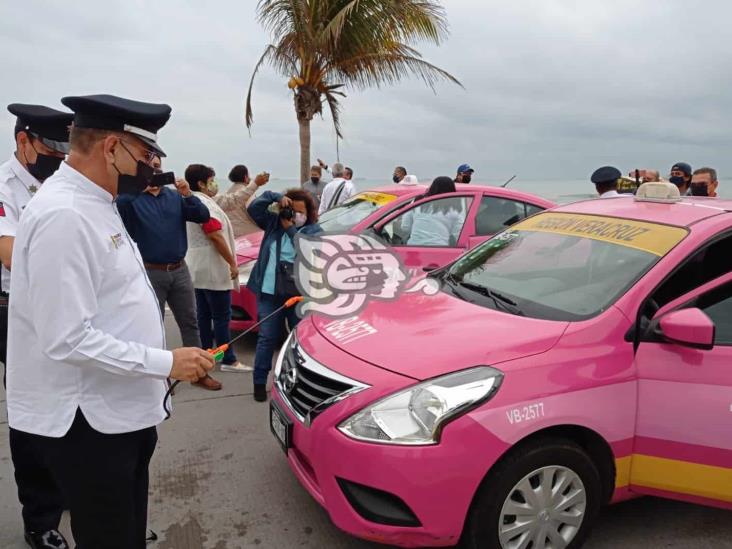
x: 554, y: 88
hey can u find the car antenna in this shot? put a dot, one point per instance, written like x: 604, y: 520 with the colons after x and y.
x: 507, y: 182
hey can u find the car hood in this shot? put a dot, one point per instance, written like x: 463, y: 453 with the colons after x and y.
x: 247, y: 247
x: 426, y: 336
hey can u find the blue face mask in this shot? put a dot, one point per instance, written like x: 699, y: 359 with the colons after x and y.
x: 677, y: 180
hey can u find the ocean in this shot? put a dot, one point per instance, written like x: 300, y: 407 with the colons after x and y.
x: 560, y: 191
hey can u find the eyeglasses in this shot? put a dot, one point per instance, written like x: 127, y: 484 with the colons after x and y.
x: 148, y: 155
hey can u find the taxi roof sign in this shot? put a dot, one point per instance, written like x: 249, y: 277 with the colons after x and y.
x: 658, y: 192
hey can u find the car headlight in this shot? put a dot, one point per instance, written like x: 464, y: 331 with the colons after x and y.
x: 416, y: 416
x: 244, y: 271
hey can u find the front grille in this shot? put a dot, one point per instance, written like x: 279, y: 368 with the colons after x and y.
x: 307, y: 386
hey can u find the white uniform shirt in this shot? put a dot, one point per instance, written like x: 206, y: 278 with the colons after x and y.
x: 349, y: 189
x: 85, y: 329
x: 16, y: 190
x: 610, y: 194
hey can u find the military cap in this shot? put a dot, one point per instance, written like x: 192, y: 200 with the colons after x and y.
x: 606, y: 174
x: 108, y: 112
x: 49, y: 126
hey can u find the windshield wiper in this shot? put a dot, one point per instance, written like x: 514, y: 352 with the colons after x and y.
x: 502, y: 302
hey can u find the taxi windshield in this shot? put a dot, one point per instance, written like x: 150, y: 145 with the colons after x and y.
x: 559, y: 266
x: 349, y: 214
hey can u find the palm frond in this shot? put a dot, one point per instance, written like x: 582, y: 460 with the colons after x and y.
x: 281, y: 60
x: 390, y: 67
x: 335, y: 110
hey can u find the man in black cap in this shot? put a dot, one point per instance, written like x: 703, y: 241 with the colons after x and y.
x: 87, y: 369
x: 680, y: 176
x: 42, y: 141
x: 606, y: 181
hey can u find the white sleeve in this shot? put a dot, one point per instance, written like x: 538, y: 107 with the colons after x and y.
x: 324, y: 199
x: 63, y: 300
x: 348, y: 192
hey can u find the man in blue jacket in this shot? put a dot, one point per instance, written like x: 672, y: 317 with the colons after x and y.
x: 156, y: 220
x: 280, y: 229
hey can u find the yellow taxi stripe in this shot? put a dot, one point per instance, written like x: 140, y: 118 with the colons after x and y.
x: 648, y: 237
x: 377, y: 198
x: 622, y: 471
x: 683, y: 477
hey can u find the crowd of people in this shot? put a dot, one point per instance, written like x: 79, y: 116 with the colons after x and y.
x: 609, y: 181
x: 92, y: 251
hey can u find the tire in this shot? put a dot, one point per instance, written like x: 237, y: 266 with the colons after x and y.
x: 558, y: 462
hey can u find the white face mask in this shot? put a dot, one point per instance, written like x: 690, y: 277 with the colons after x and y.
x: 300, y: 219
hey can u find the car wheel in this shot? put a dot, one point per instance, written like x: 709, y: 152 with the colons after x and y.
x: 545, y: 495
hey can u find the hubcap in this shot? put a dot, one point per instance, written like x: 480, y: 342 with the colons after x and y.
x: 543, y: 511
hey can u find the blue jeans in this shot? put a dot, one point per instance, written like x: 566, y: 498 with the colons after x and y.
x: 271, y: 333
x: 213, y: 307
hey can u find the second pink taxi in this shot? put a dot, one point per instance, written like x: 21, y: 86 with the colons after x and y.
x: 484, y: 211
x: 581, y: 357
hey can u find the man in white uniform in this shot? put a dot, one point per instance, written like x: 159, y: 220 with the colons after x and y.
x: 87, y: 368
x: 42, y: 141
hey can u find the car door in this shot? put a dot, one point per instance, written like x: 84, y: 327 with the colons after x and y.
x: 431, y: 232
x: 683, y: 443
x: 495, y: 214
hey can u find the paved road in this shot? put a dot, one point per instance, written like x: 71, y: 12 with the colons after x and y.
x: 219, y: 481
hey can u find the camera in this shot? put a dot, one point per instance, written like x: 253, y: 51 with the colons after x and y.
x: 287, y: 213
x: 161, y: 179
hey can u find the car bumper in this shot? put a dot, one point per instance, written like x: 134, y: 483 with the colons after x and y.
x: 243, y: 309
x: 365, y: 486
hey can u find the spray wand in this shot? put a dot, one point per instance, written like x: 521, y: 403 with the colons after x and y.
x: 218, y: 352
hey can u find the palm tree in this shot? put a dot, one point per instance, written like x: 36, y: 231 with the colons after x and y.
x: 325, y: 46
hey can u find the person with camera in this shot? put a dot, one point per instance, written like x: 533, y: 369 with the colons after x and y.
x: 212, y: 260
x: 272, y: 279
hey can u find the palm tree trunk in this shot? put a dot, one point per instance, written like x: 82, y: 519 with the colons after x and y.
x: 304, y: 148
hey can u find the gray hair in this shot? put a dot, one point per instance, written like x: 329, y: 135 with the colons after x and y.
x: 337, y: 170
x: 711, y: 171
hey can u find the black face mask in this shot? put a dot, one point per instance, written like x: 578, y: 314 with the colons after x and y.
x: 44, y: 166
x: 396, y: 179
x: 699, y: 190
x: 466, y: 178
x: 134, y: 184
x: 315, y: 180
x: 677, y: 180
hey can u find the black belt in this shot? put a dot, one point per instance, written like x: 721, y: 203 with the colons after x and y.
x: 167, y: 267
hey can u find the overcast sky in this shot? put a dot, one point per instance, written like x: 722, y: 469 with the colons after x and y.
x: 554, y: 88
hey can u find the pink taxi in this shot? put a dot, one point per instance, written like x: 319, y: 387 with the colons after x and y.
x: 581, y: 357
x: 394, y: 213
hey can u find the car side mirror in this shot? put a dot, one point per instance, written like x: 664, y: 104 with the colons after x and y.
x: 688, y: 327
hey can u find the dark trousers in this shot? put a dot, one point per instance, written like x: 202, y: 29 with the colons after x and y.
x: 214, y: 315
x: 37, y: 492
x: 271, y: 333
x: 176, y: 288
x: 104, y: 480
x: 4, y: 332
